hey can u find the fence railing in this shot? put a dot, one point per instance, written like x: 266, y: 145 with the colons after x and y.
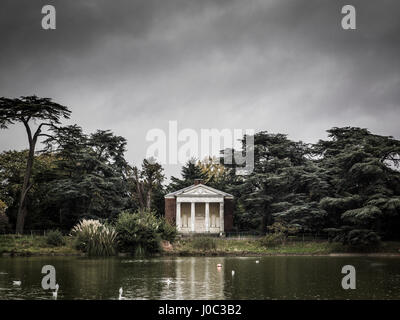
x: 232, y: 235
x: 37, y: 232
x: 295, y: 238
x: 243, y: 235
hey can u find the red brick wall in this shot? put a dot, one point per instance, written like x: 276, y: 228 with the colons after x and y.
x: 228, y: 214
x: 170, y: 210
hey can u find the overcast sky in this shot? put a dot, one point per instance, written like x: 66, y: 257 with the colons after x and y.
x: 284, y: 66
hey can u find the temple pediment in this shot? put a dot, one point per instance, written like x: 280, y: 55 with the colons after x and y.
x: 199, y: 190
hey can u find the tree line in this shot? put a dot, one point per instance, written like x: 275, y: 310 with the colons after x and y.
x: 347, y: 186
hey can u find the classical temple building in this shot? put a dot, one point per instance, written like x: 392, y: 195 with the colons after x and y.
x: 200, y: 209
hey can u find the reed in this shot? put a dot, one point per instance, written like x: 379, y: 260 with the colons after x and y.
x: 95, y: 238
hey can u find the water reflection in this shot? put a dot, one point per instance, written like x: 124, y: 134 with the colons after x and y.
x: 199, y: 278
x: 195, y: 280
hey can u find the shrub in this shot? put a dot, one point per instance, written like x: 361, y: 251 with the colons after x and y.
x: 55, y: 238
x: 168, y: 232
x: 272, y: 239
x: 279, y: 232
x: 355, y: 238
x: 4, y: 226
x: 283, y: 228
x: 95, y: 238
x: 204, y: 243
x: 363, y: 238
x: 139, y: 233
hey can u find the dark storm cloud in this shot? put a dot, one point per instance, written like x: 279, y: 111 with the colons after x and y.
x: 279, y: 65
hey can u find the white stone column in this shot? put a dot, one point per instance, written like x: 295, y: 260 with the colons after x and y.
x: 192, y: 215
x: 207, y: 219
x: 221, y: 217
x: 178, y: 216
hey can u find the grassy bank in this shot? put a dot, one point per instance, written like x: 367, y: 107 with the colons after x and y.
x: 12, y: 245
x: 230, y: 247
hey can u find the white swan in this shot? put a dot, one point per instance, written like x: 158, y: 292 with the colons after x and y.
x: 17, y: 283
x: 55, y: 293
x: 169, y: 281
x: 257, y: 261
x: 233, y: 273
x: 120, y: 294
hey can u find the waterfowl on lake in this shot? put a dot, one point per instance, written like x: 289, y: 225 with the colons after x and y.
x: 120, y: 294
x: 17, y: 283
x: 55, y: 293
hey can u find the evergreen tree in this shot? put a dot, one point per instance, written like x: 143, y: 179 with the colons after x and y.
x: 190, y: 172
x: 41, y: 111
x: 284, y: 185
x: 89, y: 179
x: 364, y: 183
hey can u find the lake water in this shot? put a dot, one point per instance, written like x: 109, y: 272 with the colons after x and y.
x: 290, y: 277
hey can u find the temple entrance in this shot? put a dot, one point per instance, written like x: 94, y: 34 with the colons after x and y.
x: 200, y: 216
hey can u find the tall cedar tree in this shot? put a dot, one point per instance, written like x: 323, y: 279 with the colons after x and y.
x: 25, y: 110
x: 364, y: 182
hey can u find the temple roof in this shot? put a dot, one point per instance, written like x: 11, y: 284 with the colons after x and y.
x: 199, y: 190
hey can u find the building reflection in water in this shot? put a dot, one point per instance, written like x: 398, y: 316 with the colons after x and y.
x: 196, y: 279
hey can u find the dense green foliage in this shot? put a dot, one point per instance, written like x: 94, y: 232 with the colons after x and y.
x: 4, y: 225
x: 87, y: 180
x: 168, y: 232
x: 55, y: 238
x: 364, y: 182
x: 346, y: 186
x: 285, y: 184
x: 278, y: 233
x: 140, y: 233
x: 271, y: 240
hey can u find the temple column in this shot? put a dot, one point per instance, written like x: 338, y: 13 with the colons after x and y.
x: 192, y: 215
x: 178, y: 216
x: 221, y: 217
x: 207, y: 219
